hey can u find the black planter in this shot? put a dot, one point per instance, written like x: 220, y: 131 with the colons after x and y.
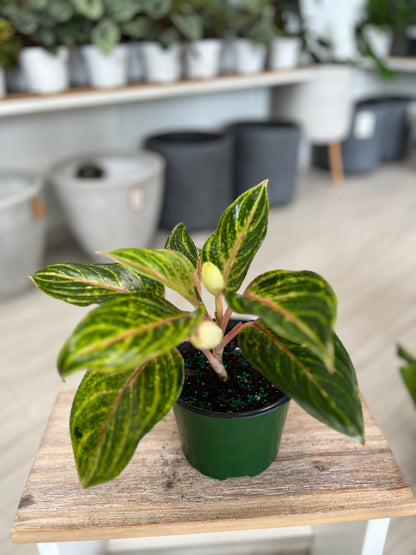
x: 266, y: 150
x: 361, y: 151
x: 198, y: 177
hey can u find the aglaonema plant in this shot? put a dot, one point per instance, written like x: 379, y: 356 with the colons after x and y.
x: 128, y: 344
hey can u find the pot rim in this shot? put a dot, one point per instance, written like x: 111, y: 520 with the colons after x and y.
x: 234, y: 415
x: 34, y: 184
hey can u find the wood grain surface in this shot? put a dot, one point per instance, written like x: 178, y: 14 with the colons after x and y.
x: 318, y: 477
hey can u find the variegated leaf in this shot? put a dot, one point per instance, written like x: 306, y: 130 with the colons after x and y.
x: 408, y: 371
x: 111, y: 412
x: 331, y: 398
x: 126, y: 332
x: 85, y: 284
x: 168, y: 267
x: 238, y: 236
x: 300, y: 306
x: 180, y: 241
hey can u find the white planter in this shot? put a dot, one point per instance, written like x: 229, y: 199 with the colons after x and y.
x: 249, y: 57
x: 2, y: 82
x: 46, y: 73
x: 106, y: 70
x: 285, y: 52
x: 119, y: 210
x: 78, y: 74
x: 161, y: 65
x: 16, y: 80
x: 379, y: 39
x: 322, y: 106
x: 22, y: 231
x: 135, y: 62
x: 202, y: 58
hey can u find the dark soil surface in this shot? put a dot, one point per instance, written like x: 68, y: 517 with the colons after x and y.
x: 245, y: 390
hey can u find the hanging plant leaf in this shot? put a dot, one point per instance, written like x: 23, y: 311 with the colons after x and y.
x: 126, y: 332
x: 331, y: 398
x: 238, y: 236
x: 86, y: 284
x: 112, y: 412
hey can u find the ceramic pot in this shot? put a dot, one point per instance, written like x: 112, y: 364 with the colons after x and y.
x: 106, y: 70
x: 161, y: 65
x: 78, y: 73
x: 46, y: 73
x: 202, y: 58
x: 284, y: 52
x: 16, y: 80
x: 266, y: 150
x: 198, y: 177
x: 380, y: 40
x: 22, y: 230
x: 227, y: 445
x: 135, y: 62
x: 249, y: 57
x: 120, y: 208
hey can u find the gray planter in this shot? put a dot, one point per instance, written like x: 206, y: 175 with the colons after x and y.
x: 395, y: 133
x: 22, y: 231
x: 198, y: 177
x: 361, y: 151
x: 120, y: 209
x: 266, y: 150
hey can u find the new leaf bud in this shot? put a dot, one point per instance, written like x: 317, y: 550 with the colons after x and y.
x: 212, y: 278
x: 206, y: 336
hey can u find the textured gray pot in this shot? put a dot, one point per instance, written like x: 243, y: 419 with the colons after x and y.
x: 120, y: 209
x: 266, y: 150
x: 22, y: 231
x: 395, y: 133
x: 198, y: 177
x: 361, y: 151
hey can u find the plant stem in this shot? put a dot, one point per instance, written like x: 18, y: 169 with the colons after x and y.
x: 219, y: 310
x: 229, y: 337
x: 217, y: 365
x: 226, y: 318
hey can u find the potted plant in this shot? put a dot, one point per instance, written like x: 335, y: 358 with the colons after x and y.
x: 44, y: 56
x: 252, y: 24
x: 286, y: 45
x: 10, y: 46
x: 136, y: 374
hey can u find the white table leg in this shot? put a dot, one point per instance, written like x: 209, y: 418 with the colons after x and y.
x: 375, y: 536
x: 73, y: 548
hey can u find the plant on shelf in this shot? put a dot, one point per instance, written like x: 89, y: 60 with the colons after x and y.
x: 408, y: 371
x: 287, y: 17
x: 253, y: 20
x: 203, y: 19
x: 10, y: 44
x: 128, y: 344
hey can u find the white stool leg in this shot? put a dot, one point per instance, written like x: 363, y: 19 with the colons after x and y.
x: 375, y: 536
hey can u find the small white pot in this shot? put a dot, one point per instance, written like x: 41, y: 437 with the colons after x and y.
x: 135, y: 62
x: 161, y: 65
x: 284, y: 52
x: 379, y: 39
x: 106, y: 70
x: 46, y: 73
x: 78, y: 74
x: 120, y: 208
x: 202, y: 58
x: 249, y: 57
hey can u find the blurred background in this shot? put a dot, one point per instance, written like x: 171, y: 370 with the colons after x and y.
x: 121, y: 118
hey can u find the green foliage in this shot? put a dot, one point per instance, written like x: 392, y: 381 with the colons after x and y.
x: 253, y: 19
x: 128, y: 342
x: 10, y: 44
x: 408, y: 371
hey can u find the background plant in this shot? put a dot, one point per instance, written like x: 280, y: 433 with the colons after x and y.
x: 10, y: 44
x: 253, y: 19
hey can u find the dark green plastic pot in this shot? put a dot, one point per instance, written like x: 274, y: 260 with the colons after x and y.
x: 225, y: 445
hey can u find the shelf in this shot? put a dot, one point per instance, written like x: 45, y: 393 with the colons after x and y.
x: 18, y: 104
x: 319, y: 476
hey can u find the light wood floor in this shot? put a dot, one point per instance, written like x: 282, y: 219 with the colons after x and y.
x: 361, y: 237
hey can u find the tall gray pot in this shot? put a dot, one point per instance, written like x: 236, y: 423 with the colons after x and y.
x: 22, y: 231
x: 395, y: 133
x: 198, y: 177
x: 266, y: 150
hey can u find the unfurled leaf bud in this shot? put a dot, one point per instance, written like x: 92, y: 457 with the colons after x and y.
x: 212, y: 278
x: 206, y: 336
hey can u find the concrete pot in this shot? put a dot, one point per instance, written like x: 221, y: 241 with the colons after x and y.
x: 120, y: 209
x: 46, y: 73
x: 135, y: 62
x: 249, y: 57
x: 106, y: 70
x: 78, y: 73
x: 285, y: 52
x: 161, y: 65
x: 266, y: 150
x: 198, y: 177
x: 396, y: 129
x: 22, y: 230
x: 202, y: 58
x: 16, y: 80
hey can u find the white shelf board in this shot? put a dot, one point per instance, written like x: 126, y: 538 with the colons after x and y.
x: 19, y: 104
x: 406, y: 64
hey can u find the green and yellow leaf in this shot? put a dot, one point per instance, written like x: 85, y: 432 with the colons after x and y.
x: 180, y: 241
x: 85, y: 284
x: 111, y: 412
x: 299, y: 306
x: 238, y: 236
x: 331, y: 398
x: 125, y: 333
x: 170, y: 268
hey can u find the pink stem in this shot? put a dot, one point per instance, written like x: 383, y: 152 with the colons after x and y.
x: 230, y: 336
x: 216, y: 365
